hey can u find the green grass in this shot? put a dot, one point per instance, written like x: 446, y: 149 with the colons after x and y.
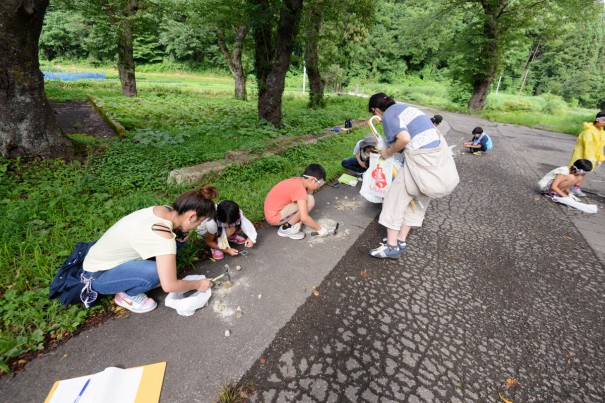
x: 545, y: 112
x: 48, y: 206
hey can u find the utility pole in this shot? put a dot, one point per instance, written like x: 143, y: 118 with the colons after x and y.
x: 304, y: 76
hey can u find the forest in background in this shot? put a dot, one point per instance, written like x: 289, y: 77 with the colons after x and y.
x: 386, y: 42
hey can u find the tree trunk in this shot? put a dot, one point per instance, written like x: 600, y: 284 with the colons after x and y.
x: 234, y: 59
x: 272, y: 62
x: 126, y: 66
x: 490, y: 61
x: 480, y: 91
x: 28, y: 127
x: 316, y: 93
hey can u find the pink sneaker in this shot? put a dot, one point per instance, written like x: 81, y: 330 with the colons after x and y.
x: 217, y: 254
x: 240, y: 240
x: 139, y: 303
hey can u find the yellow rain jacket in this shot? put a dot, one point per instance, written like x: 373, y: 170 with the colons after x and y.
x: 589, y: 145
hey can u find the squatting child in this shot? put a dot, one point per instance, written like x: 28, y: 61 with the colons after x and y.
x: 361, y: 155
x: 289, y: 202
x: 561, y: 180
x: 480, y: 142
x: 225, y: 227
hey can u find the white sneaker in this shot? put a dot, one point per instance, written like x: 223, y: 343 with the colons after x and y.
x: 139, y: 303
x: 293, y: 232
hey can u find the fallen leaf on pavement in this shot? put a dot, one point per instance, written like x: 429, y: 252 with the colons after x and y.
x: 120, y: 312
x: 511, y: 382
x: 364, y: 274
x: 262, y: 360
x: 568, y: 238
x: 316, y: 293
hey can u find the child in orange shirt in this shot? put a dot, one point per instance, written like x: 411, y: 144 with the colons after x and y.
x: 289, y: 202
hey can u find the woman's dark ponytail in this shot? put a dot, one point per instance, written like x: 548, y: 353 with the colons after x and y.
x: 381, y: 101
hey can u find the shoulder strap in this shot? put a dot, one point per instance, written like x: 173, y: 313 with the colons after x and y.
x: 161, y: 228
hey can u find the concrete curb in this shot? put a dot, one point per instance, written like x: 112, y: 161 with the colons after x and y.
x: 117, y: 128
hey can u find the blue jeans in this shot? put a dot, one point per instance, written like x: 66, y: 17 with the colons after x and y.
x: 352, y: 165
x: 132, y: 278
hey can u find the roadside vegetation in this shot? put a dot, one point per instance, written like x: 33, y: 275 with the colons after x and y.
x: 49, y: 205
x: 177, y: 120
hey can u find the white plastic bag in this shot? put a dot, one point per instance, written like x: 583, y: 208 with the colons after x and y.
x: 186, y: 306
x: 381, y: 174
x: 365, y: 189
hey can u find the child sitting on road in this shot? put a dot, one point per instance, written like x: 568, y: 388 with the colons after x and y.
x: 560, y: 181
x: 225, y: 228
x: 361, y: 160
x: 480, y: 142
x: 289, y: 202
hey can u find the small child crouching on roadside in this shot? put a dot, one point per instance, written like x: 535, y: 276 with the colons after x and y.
x: 225, y: 228
x: 361, y: 159
x: 290, y: 201
x: 480, y: 142
x: 561, y: 180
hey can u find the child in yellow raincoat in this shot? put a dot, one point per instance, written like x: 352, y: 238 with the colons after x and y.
x: 589, y: 146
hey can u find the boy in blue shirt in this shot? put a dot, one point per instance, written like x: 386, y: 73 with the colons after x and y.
x: 480, y: 142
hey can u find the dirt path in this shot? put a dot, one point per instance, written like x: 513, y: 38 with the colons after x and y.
x: 76, y: 117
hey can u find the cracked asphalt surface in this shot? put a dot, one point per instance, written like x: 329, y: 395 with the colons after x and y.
x: 498, y: 284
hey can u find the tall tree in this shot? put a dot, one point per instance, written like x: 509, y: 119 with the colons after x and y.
x: 493, y: 27
x: 126, y: 66
x: 314, y: 18
x: 273, y: 44
x: 28, y: 127
x: 229, y: 19
x: 322, y: 22
x: 120, y: 15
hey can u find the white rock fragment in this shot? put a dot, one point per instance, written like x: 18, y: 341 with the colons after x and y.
x: 238, y: 312
x: 260, y: 296
x: 227, y: 333
x: 238, y: 268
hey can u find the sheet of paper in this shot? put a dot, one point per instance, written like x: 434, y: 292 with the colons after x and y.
x: 587, y: 208
x: 114, y: 385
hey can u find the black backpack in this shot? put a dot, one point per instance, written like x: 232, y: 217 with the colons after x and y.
x: 67, y: 284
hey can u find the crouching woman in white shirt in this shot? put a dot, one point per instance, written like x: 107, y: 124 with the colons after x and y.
x: 138, y: 252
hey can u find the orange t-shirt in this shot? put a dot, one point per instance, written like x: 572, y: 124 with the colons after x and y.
x: 285, y: 192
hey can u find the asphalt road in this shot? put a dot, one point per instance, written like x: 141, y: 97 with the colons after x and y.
x: 498, y: 284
